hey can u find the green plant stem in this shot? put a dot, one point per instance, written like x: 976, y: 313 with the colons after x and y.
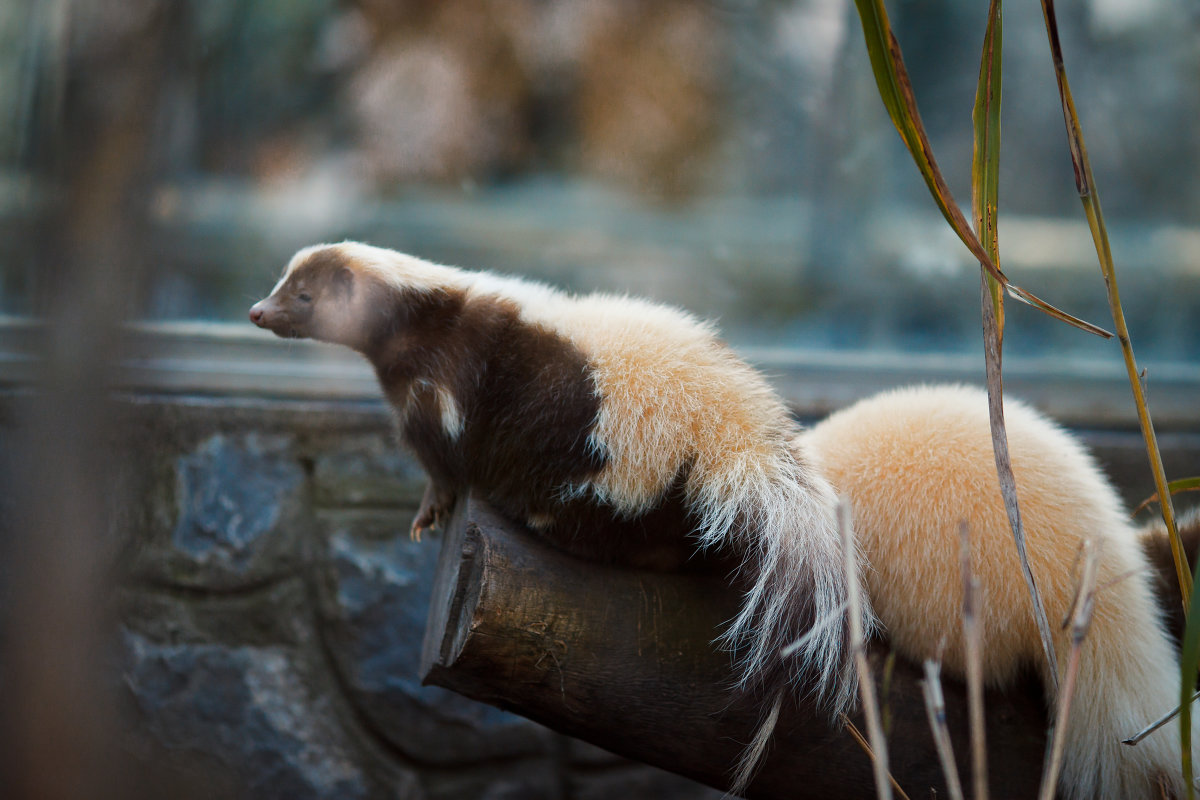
x: 1091, y: 205
x: 1189, y: 662
x: 895, y: 89
x: 1086, y: 186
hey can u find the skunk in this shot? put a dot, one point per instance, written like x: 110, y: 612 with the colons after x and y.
x: 615, y: 428
x: 624, y: 430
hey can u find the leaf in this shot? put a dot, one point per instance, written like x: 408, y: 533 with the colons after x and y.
x: 985, y: 170
x: 895, y: 89
x: 1083, y: 182
x: 985, y: 162
x: 1174, y: 487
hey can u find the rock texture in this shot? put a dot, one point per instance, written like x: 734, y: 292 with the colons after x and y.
x: 271, y: 616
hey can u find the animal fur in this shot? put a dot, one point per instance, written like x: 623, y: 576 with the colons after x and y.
x: 607, y: 424
x: 913, y: 463
x: 615, y: 426
x: 1157, y: 546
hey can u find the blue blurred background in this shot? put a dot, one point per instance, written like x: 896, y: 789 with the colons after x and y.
x: 729, y: 156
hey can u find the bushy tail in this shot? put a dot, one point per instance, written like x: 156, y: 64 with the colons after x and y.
x: 782, y: 516
x: 1128, y: 677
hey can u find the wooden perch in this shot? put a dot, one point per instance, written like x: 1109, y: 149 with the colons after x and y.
x: 624, y: 659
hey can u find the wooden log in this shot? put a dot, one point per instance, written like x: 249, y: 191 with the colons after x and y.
x: 625, y: 659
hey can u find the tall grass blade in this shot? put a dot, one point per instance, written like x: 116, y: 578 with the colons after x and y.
x: 1158, y: 723
x: 1086, y: 186
x: 895, y: 89
x: 1081, y: 621
x: 1189, y: 657
x: 856, y: 734
x: 985, y: 161
x: 935, y: 709
x: 885, y: 692
x: 985, y: 172
x: 1008, y: 486
x: 1174, y: 487
x: 858, y: 646
x: 973, y: 642
x: 1030, y: 299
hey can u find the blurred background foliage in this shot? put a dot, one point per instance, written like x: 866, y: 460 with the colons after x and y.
x: 730, y: 156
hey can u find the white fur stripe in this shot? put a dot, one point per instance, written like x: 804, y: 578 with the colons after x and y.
x: 452, y: 418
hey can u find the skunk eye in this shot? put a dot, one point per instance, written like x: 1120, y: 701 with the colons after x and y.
x: 304, y: 297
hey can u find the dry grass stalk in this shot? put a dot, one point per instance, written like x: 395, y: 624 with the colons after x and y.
x: 865, y: 745
x: 858, y: 646
x: 1085, y: 185
x: 985, y: 181
x: 885, y: 692
x: 1191, y: 484
x: 1158, y: 723
x: 833, y: 618
x: 973, y: 642
x: 1081, y: 620
x: 935, y: 707
x: 1004, y: 473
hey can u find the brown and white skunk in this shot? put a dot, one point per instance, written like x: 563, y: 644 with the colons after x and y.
x: 608, y: 425
x: 615, y: 426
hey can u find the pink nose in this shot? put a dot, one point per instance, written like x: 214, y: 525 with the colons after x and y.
x: 256, y: 314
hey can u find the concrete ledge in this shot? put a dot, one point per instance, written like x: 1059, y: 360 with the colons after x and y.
x: 235, y: 360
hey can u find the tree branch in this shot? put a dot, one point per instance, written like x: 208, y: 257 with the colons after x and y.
x: 624, y: 659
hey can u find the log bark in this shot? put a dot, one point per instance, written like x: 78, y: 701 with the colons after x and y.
x: 625, y: 659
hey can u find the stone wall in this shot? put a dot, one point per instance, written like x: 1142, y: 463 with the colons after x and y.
x: 271, y: 613
x: 271, y: 606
